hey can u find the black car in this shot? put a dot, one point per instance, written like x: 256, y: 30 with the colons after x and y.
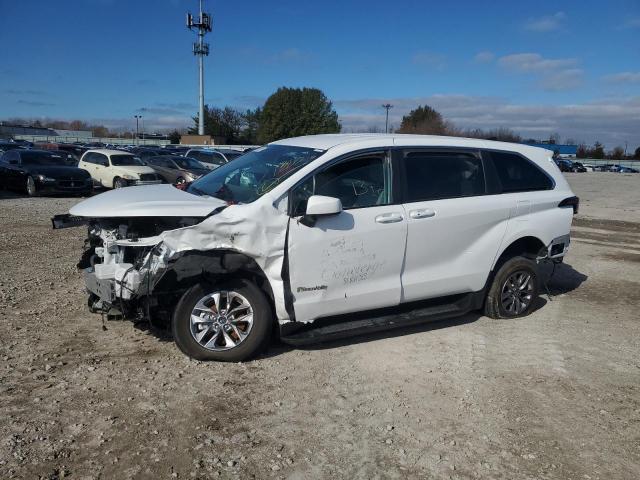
x: 578, y: 167
x: 563, y: 165
x: 42, y: 171
x: 6, y: 146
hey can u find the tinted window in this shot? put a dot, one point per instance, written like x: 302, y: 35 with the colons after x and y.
x: 435, y: 175
x: 33, y: 157
x: 517, y: 174
x: 125, y: 161
x: 358, y: 182
x: 208, y: 157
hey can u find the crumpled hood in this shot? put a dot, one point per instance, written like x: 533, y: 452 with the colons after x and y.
x: 146, y: 201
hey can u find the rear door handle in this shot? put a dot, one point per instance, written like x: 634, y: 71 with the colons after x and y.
x: 389, y: 218
x: 422, y: 213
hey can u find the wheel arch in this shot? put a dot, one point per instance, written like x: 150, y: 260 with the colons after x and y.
x: 213, y: 266
x: 528, y: 245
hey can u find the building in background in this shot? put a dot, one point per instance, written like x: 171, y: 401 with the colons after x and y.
x: 564, y: 151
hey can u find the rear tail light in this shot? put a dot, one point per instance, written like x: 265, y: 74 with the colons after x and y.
x: 573, y: 202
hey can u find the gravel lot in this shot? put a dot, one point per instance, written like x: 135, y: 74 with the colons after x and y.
x: 552, y: 396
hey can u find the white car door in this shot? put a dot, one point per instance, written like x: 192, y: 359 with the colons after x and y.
x: 350, y: 261
x: 103, y: 172
x: 454, y: 227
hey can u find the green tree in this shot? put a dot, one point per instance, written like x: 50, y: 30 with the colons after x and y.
x: 292, y: 112
x: 423, y: 120
x: 224, y: 122
x: 252, y: 124
x: 174, y: 137
x: 636, y: 154
x: 618, y: 153
x: 597, y: 151
x: 582, y: 152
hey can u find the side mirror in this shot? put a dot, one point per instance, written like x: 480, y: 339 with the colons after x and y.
x: 319, y: 205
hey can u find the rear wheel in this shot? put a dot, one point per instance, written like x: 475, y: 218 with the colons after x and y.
x: 228, y: 322
x: 30, y: 187
x: 514, y: 289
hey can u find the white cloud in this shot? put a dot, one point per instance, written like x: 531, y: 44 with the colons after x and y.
x: 534, y: 62
x: 547, y: 23
x: 624, y: 77
x: 633, y: 22
x: 553, y: 74
x: 484, y: 57
x: 430, y: 60
x: 610, y: 121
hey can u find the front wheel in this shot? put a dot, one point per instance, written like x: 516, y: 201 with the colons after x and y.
x: 228, y: 322
x: 31, y: 187
x: 119, y: 182
x: 514, y: 289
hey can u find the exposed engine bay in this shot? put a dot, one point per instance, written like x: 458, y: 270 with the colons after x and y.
x: 121, y: 263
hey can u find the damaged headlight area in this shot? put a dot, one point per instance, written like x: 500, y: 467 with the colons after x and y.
x: 122, y: 261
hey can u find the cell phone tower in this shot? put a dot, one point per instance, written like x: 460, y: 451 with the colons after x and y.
x: 200, y: 49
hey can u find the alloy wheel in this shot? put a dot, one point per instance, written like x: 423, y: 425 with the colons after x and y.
x: 221, y: 320
x: 517, y: 292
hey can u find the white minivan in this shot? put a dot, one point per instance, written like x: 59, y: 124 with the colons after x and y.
x: 323, y: 236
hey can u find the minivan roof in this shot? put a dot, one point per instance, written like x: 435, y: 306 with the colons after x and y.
x: 325, y: 142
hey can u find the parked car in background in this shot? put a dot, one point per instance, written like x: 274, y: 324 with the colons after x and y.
x: 564, y: 165
x: 324, y: 236
x: 117, y: 169
x: 6, y: 146
x: 176, y: 169
x: 622, y: 169
x: 212, y: 159
x: 209, y: 158
x: 177, y: 149
x: 578, y: 167
x: 42, y: 171
x: 145, y: 152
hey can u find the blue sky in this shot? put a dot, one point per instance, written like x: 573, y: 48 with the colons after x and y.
x: 538, y: 67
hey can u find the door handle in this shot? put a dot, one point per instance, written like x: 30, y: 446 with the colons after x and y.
x: 389, y: 218
x: 422, y: 213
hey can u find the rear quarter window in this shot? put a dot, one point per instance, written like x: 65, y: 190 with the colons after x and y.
x: 515, y: 173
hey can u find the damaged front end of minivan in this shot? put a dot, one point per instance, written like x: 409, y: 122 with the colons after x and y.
x: 138, y: 265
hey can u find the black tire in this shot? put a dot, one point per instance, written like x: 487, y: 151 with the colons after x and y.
x: 119, y: 183
x: 180, y: 181
x: 494, y: 306
x: 257, y: 338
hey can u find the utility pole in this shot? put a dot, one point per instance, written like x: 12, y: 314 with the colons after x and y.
x: 142, y: 118
x: 200, y: 49
x: 137, y: 117
x: 387, y: 106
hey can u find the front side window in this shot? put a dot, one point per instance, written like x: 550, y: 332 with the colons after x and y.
x: 254, y: 174
x: 357, y: 182
x: 432, y: 175
x: 517, y: 174
x: 126, y: 161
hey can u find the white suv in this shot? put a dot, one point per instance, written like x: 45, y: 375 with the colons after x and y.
x: 117, y: 169
x: 389, y: 229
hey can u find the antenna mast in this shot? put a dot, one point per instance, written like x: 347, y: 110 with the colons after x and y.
x: 200, y: 49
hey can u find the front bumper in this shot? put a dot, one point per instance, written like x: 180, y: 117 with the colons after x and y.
x: 143, y: 182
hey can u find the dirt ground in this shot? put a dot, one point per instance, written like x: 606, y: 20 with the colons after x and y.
x: 555, y: 395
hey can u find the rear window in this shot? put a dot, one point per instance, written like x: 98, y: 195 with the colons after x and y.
x: 438, y: 175
x: 517, y: 174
